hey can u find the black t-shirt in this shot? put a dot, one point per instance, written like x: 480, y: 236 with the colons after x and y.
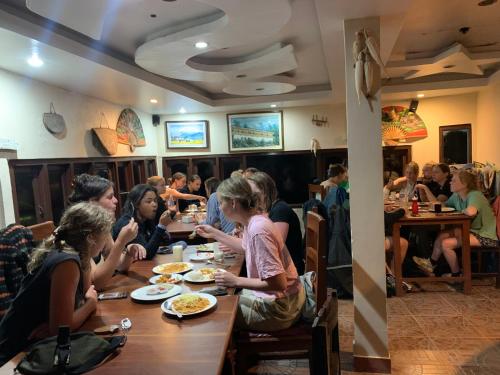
x: 184, y: 203
x: 282, y: 212
x: 31, y: 306
x: 437, y: 189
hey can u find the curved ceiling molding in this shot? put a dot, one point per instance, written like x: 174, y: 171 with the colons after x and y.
x: 173, y: 53
x: 258, y: 88
x: 86, y: 17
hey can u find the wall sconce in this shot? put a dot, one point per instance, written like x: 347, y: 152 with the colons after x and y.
x: 323, y: 121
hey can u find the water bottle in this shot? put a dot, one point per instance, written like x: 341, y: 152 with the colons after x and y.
x: 402, y: 200
x: 414, y: 206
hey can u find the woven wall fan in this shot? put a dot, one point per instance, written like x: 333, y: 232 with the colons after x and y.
x: 107, y: 137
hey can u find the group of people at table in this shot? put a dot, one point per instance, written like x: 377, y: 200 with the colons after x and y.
x: 244, y: 215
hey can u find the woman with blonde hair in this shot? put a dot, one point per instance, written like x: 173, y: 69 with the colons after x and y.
x: 406, y: 186
x: 52, y: 293
x: 468, y: 200
x: 272, y: 296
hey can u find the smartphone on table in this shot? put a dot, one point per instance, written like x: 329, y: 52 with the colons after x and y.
x: 112, y: 295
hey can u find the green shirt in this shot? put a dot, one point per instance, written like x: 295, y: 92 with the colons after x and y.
x: 484, y: 222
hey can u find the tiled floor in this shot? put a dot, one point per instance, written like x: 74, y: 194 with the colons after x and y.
x: 432, y: 332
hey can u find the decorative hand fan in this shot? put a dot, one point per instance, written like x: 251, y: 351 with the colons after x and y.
x: 129, y: 129
x: 399, y: 125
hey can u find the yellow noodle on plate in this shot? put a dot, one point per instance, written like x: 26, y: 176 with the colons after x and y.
x: 190, y: 304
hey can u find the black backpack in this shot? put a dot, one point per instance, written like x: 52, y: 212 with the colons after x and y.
x: 83, y: 352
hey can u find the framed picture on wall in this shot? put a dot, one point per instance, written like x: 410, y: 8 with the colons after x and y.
x: 255, y: 131
x: 187, y: 134
x: 455, y: 144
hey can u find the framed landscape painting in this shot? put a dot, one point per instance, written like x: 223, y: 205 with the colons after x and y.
x: 187, y: 134
x: 255, y: 131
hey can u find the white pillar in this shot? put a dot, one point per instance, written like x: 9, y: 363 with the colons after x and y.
x: 367, y: 207
x: 7, y: 215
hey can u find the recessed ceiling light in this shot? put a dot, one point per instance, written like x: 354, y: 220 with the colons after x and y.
x: 448, y: 66
x: 259, y: 89
x: 201, y: 45
x: 35, y: 60
x: 420, y: 95
x: 152, y: 15
x: 182, y: 110
x: 273, y: 106
x: 241, y: 76
x: 485, y: 3
x: 153, y: 101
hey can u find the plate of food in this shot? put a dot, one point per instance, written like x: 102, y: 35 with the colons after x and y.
x: 174, y: 267
x: 155, y: 292
x: 204, y: 247
x: 443, y: 209
x: 189, y: 304
x: 201, y: 257
x: 169, y: 278
x: 202, y: 275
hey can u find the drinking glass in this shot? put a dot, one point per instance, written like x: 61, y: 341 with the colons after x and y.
x: 218, y: 253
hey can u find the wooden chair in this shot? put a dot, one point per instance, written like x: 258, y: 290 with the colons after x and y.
x: 296, y: 341
x: 316, y: 191
x: 480, y: 251
x: 325, y: 337
x: 42, y: 230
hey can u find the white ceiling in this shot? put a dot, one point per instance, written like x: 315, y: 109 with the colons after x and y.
x: 410, y: 29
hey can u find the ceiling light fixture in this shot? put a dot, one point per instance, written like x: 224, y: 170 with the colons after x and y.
x: 201, y: 45
x: 259, y: 89
x: 273, y: 106
x: 485, y: 3
x: 241, y: 76
x: 153, y: 101
x: 152, y: 15
x: 420, y: 95
x: 35, y: 60
x: 182, y: 110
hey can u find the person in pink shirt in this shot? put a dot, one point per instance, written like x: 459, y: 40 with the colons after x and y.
x: 272, y: 295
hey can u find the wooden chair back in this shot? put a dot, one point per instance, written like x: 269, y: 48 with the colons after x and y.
x: 316, y: 245
x: 316, y: 192
x: 42, y: 230
x: 325, y: 356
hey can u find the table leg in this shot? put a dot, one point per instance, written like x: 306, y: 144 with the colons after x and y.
x: 398, y: 271
x: 466, y: 256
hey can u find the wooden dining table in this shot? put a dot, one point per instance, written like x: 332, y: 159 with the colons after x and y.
x: 159, y: 343
x: 429, y: 218
x: 180, y: 230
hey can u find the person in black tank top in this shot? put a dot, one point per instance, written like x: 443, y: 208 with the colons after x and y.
x: 52, y: 293
x: 281, y: 214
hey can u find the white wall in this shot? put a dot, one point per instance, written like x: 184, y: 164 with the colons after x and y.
x: 297, y: 129
x: 440, y: 111
x: 488, y: 128
x: 23, y: 102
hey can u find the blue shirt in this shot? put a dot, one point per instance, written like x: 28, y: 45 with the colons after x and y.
x: 215, y: 215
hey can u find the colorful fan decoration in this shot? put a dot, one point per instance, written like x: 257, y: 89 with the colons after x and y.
x: 129, y: 129
x: 399, y: 125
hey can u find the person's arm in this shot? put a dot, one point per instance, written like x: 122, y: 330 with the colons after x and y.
x: 207, y: 231
x: 428, y: 193
x: 274, y: 283
x: 103, y: 272
x: 176, y: 194
x: 157, y: 237
x: 282, y: 228
x: 63, y: 285
x: 473, y: 204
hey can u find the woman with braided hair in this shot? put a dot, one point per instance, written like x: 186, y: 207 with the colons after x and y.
x: 52, y: 293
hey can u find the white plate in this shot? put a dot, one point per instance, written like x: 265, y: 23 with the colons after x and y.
x: 201, y: 257
x: 158, y: 269
x: 211, y: 299
x: 443, y: 209
x: 141, y: 294
x: 191, y: 277
x: 178, y: 277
